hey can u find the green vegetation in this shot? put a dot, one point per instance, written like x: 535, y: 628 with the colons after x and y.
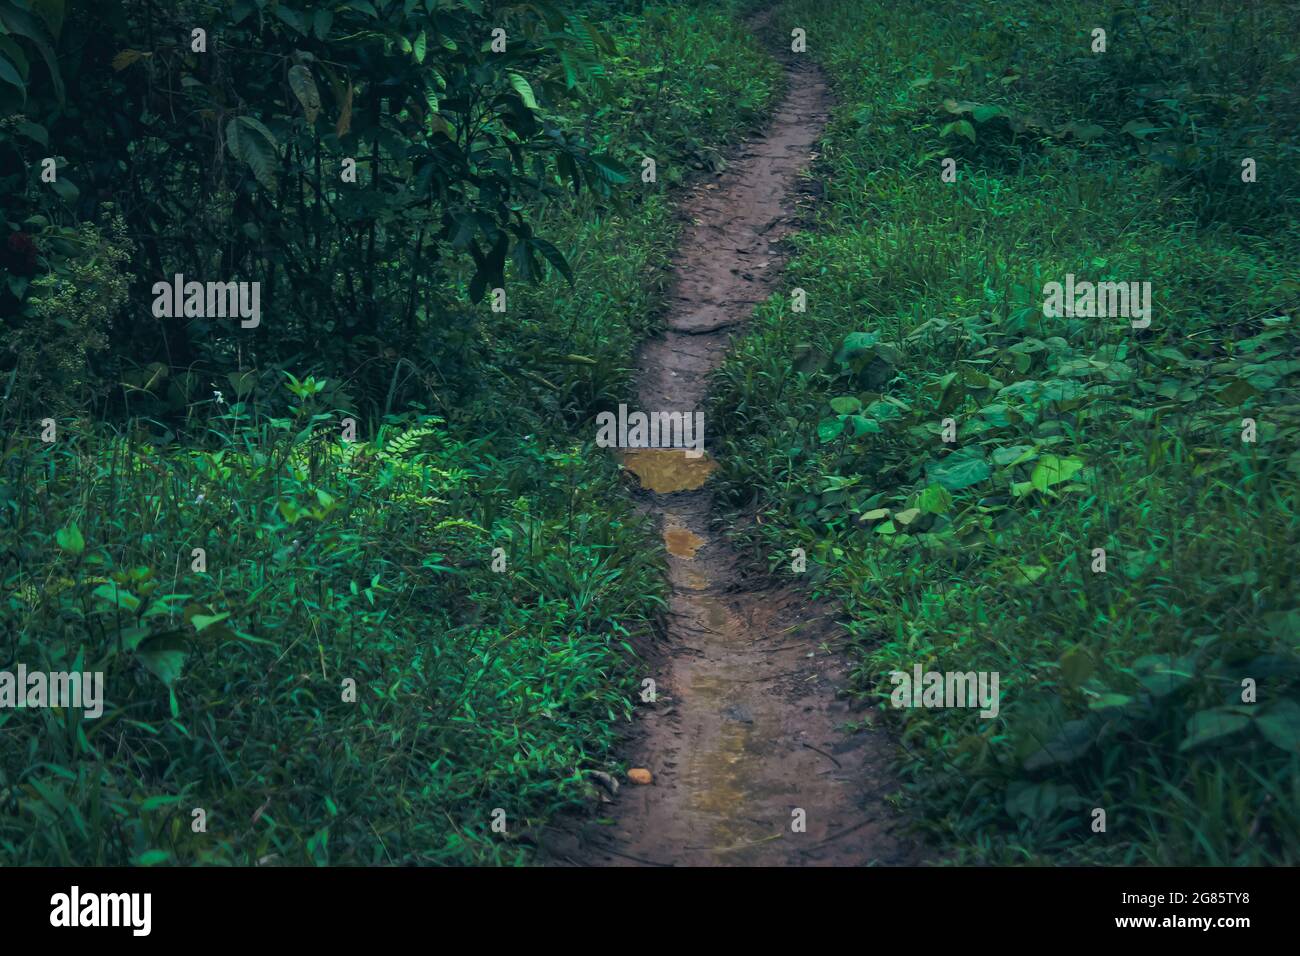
x: 1123, y: 690
x: 305, y: 636
x: 328, y: 561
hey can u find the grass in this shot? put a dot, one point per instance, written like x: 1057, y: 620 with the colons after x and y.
x: 1121, y: 690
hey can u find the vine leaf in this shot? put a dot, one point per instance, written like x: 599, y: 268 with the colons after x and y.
x: 524, y: 89
x: 304, y: 87
x: 252, y: 143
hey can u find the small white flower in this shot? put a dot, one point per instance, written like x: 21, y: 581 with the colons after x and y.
x: 218, y: 398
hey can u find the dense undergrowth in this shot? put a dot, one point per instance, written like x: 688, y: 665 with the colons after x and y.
x: 229, y: 674
x: 329, y: 565
x: 1122, y: 690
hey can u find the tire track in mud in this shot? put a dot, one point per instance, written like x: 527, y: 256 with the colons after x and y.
x: 747, y: 727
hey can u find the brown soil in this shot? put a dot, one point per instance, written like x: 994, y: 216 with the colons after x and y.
x: 747, y: 728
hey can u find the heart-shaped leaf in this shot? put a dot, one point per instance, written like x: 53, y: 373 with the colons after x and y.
x: 70, y: 539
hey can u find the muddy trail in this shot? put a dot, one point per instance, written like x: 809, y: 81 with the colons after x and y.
x: 747, y: 728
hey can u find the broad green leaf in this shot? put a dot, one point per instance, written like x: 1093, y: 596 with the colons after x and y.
x: 1280, y: 725
x: 9, y: 74
x: 945, y: 394
x: 1075, y: 738
x: 1061, y: 390
x: 1076, y: 666
x: 52, y: 12
x: 525, y: 91
x: 958, y: 471
x: 164, y: 657
x: 117, y: 595
x: 21, y: 23
x: 291, y: 17
x: 33, y: 131
x: 864, y: 426
x: 959, y: 128
x: 202, y: 622
x: 1237, y: 391
x: 935, y: 500
x: 256, y: 125
x: 829, y: 429
x: 1012, y: 454
x: 70, y: 539
x: 322, y: 22
x: 609, y: 169
x: 1021, y: 575
x: 556, y: 259
x: 1209, y: 725
x: 66, y: 190
x: 251, y: 142
x: 907, y: 516
x: 1039, y: 801
x: 1051, y: 470
x: 1141, y: 128
x: 846, y: 405
x: 132, y: 635
x: 855, y: 344
x: 999, y: 416
x: 1162, y: 674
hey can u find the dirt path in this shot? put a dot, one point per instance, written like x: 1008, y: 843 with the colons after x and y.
x: 747, y: 728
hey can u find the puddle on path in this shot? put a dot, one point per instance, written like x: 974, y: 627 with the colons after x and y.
x: 694, y: 581
x: 682, y: 543
x: 665, y: 470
